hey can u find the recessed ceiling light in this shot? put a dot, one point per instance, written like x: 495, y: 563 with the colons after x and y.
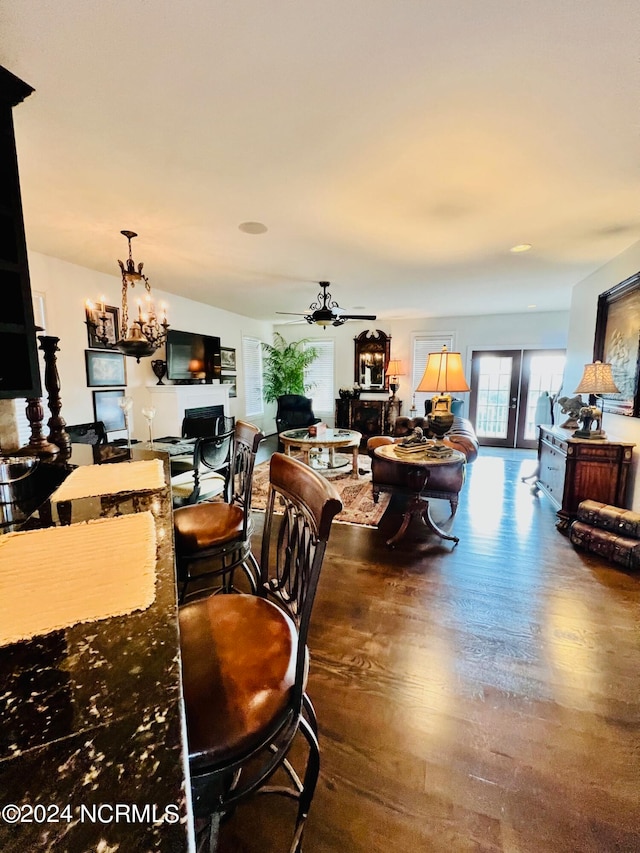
x: 532, y: 306
x: 252, y: 227
x: 520, y: 247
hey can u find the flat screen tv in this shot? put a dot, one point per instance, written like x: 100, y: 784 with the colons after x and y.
x: 192, y: 356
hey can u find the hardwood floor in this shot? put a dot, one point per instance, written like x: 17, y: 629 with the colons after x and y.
x: 482, y: 698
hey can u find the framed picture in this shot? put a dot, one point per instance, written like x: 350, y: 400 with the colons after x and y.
x: 107, y: 410
x: 617, y: 342
x: 105, y: 368
x: 227, y: 360
x: 231, y: 382
x: 111, y: 325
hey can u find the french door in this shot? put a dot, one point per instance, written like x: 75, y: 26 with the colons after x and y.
x: 511, y: 394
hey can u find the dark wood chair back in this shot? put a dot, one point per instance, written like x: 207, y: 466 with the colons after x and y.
x: 91, y: 433
x: 300, y: 508
x: 209, y: 454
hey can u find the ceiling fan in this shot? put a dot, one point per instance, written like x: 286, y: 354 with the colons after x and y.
x: 325, y: 312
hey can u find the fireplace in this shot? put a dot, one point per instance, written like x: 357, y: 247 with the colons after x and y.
x: 203, y: 421
x: 175, y: 402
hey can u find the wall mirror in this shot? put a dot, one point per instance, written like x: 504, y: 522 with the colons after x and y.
x: 372, y: 352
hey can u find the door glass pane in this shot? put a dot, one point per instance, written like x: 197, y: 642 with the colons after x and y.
x: 545, y: 378
x: 494, y: 383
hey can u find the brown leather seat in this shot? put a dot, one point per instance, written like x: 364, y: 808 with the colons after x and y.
x: 245, y: 661
x: 226, y: 681
x: 212, y: 539
x: 206, y: 525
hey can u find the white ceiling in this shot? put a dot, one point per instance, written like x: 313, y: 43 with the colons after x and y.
x: 397, y: 148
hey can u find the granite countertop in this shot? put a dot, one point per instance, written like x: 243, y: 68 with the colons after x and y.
x: 91, y: 718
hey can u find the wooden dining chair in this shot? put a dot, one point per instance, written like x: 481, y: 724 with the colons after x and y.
x: 91, y: 433
x: 213, y: 539
x: 245, y: 661
x: 209, y: 474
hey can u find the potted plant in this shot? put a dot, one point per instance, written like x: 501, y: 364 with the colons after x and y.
x: 284, y: 366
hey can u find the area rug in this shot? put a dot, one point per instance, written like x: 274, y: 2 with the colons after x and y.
x: 355, y: 495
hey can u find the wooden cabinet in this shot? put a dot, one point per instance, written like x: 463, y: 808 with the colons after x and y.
x: 19, y: 370
x: 571, y: 470
x: 369, y: 417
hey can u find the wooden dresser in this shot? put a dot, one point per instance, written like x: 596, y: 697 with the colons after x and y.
x: 571, y: 470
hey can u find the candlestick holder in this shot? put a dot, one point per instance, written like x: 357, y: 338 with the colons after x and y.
x: 149, y: 414
x: 126, y: 404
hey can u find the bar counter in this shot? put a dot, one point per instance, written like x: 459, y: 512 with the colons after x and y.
x: 91, y: 717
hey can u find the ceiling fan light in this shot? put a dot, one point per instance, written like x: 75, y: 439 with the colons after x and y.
x: 326, y: 311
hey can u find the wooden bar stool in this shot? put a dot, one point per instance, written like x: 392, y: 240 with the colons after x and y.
x: 213, y: 539
x: 245, y: 660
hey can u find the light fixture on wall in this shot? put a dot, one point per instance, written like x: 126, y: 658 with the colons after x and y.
x: 394, y: 371
x: 597, y: 379
x: 145, y: 334
x: 442, y: 374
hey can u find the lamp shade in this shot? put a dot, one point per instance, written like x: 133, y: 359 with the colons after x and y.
x: 443, y: 373
x: 597, y: 379
x: 394, y: 368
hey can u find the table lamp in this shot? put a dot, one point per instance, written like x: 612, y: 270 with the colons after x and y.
x: 597, y: 379
x: 393, y: 371
x: 442, y: 374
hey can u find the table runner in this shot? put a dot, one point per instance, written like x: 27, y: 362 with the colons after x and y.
x: 56, y: 577
x: 91, y: 480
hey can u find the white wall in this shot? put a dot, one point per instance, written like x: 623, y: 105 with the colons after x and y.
x: 510, y: 331
x: 582, y: 324
x: 66, y: 287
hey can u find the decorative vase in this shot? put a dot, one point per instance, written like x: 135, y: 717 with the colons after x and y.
x: 159, y: 368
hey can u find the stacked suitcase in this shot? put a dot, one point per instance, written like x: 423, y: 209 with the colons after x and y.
x: 609, y: 531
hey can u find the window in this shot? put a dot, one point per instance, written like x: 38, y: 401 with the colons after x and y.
x: 422, y: 346
x: 319, y: 375
x: 22, y: 422
x: 252, y: 373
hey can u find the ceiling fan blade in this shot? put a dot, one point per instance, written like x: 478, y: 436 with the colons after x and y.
x: 294, y: 313
x: 358, y: 316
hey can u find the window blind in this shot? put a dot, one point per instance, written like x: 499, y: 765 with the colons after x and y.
x: 319, y: 376
x: 422, y: 346
x: 22, y: 422
x: 252, y: 375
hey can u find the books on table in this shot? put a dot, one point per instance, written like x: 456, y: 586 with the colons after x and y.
x: 427, y: 448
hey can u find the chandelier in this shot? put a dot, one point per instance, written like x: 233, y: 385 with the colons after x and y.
x: 145, y: 334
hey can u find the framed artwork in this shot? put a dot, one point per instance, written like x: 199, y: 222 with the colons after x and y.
x: 107, y: 410
x: 617, y: 342
x: 231, y: 382
x: 105, y: 368
x: 112, y: 326
x: 227, y: 359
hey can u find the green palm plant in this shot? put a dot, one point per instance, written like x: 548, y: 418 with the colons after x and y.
x: 284, y: 365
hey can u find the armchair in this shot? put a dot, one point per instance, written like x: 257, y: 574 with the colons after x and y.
x: 294, y: 410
